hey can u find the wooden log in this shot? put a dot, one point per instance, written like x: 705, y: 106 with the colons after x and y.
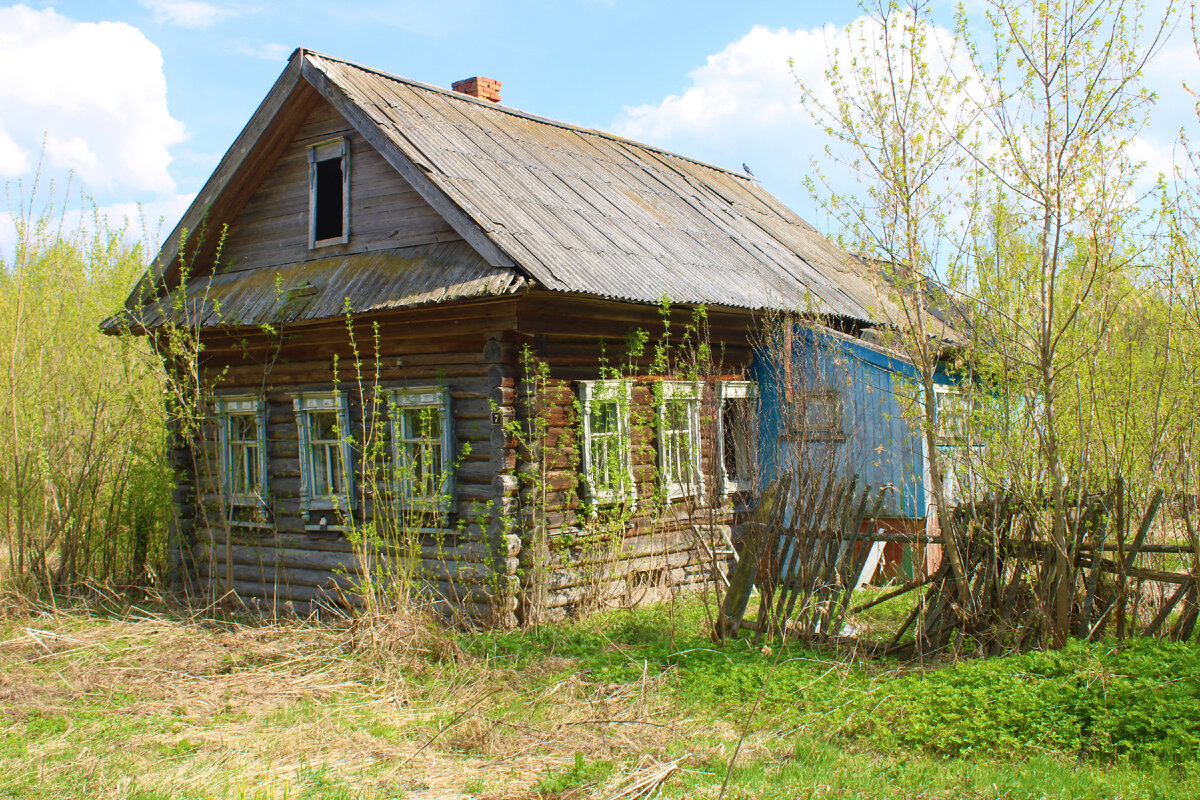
x: 300, y: 563
x: 1167, y: 608
x: 446, y: 544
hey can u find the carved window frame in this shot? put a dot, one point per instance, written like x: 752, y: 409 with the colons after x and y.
x: 234, y: 447
x: 684, y: 396
x: 602, y: 448
x: 307, y: 406
x: 433, y: 400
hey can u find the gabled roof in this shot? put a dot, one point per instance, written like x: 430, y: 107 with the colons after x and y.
x: 564, y: 207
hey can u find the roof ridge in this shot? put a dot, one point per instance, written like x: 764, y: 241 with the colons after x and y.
x: 516, y: 112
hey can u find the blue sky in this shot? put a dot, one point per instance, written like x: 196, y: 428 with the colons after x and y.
x: 140, y: 98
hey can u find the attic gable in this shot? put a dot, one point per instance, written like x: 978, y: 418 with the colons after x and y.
x: 386, y: 212
x: 226, y: 217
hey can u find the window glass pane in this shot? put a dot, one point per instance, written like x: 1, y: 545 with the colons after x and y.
x: 954, y: 414
x: 604, y: 417
x: 326, y: 446
x: 323, y: 426
x: 734, y: 426
x: 604, y: 456
x: 237, y: 468
x: 676, y: 414
x: 242, y: 454
x: 420, y: 457
x: 321, y: 471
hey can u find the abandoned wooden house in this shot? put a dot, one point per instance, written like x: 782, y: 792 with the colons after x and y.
x: 385, y: 272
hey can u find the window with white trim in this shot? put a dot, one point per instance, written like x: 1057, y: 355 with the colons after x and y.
x: 679, y: 439
x: 955, y: 448
x: 422, y: 448
x: 326, y: 478
x: 242, y: 435
x: 736, y: 430
x: 329, y: 193
x: 954, y: 409
x: 605, y: 450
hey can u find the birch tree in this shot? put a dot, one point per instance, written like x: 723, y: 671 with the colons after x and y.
x: 1059, y: 100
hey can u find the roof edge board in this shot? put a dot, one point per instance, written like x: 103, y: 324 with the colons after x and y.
x: 230, y: 163
x: 462, y: 222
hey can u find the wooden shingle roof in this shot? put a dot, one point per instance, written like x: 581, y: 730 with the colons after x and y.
x: 573, y: 209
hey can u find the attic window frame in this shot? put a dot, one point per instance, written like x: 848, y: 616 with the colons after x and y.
x: 328, y: 150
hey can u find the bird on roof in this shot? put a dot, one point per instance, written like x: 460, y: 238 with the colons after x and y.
x: 746, y: 169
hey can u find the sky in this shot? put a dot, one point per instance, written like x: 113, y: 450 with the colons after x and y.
x: 137, y: 100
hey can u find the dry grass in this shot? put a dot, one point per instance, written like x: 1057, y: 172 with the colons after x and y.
x: 177, y: 703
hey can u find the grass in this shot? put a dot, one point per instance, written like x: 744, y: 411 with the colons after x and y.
x: 146, y: 703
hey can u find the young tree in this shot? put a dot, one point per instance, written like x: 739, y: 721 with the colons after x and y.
x: 898, y: 112
x: 1031, y: 105
x: 1059, y: 97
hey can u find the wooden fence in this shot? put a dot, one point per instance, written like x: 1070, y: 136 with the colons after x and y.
x: 809, y: 547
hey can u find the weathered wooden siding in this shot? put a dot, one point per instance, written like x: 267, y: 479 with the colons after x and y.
x: 585, y: 563
x: 470, y: 558
x: 877, y: 442
x: 385, y: 211
x: 507, y: 537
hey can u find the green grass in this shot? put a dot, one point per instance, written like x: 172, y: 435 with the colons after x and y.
x: 169, y: 708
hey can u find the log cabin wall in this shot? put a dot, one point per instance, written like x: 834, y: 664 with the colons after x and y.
x: 571, y: 558
x: 470, y: 559
x: 509, y: 551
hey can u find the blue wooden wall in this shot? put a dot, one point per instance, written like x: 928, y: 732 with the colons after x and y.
x: 877, y: 441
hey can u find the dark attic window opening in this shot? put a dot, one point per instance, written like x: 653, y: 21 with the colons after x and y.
x: 328, y: 196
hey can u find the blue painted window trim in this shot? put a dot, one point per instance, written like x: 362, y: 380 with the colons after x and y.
x: 227, y: 407
x: 437, y: 400
x: 305, y: 406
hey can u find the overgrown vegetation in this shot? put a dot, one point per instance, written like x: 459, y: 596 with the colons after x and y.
x: 84, y: 490
x: 1001, y: 196
x: 111, y: 701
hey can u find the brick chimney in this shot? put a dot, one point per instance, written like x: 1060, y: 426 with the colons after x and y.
x: 483, y: 88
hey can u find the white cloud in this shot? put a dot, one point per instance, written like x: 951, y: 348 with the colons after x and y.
x: 269, y: 51
x: 744, y: 106
x: 93, y: 92
x: 149, y: 222
x: 746, y: 85
x: 13, y: 158
x: 187, y: 13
